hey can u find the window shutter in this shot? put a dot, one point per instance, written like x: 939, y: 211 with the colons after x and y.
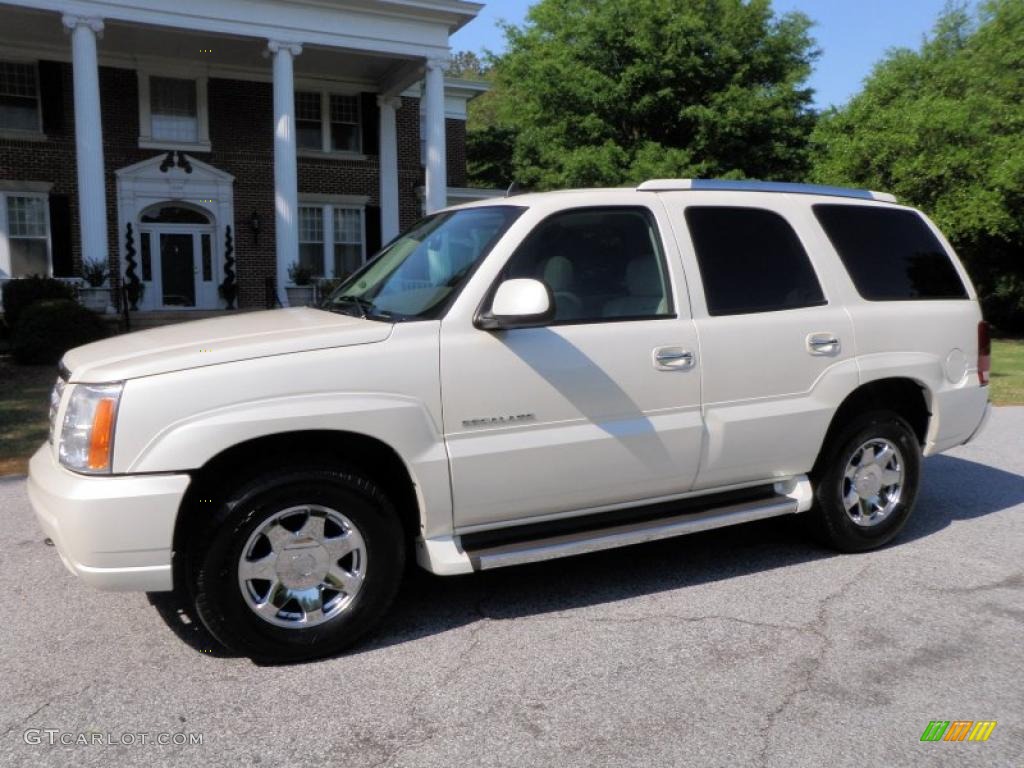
x: 60, y: 235
x: 51, y: 90
x: 371, y: 123
x: 372, y: 223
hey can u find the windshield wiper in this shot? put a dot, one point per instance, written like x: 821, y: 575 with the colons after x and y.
x: 367, y: 310
x: 361, y: 304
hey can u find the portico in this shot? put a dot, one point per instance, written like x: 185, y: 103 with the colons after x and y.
x: 337, y: 71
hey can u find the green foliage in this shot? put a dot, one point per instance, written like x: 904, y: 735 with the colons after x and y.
x: 95, y: 272
x: 605, y: 92
x: 19, y: 294
x: 943, y: 128
x: 47, y: 329
x: 300, y: 274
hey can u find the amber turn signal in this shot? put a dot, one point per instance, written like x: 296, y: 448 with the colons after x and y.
x: 101, y: 434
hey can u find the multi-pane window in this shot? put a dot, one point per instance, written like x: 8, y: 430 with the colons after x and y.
x: 330, y: 239
x: 19, y: 96
x: 348, y: 241
x: 328, y: 122
x: 344, y: 123
x: 173, y: 109
x: 28, y: 235
x: 309, y: 120
x: 311, y: 238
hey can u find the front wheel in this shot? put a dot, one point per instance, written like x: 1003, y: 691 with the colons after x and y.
x: 300, y: 565
x: 865, y: 483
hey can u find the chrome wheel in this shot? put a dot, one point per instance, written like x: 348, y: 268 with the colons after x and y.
x: 873, y: 482
x: 304, y: 566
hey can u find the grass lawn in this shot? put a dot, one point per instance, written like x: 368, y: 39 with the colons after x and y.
x: 24, y: 403
x: 25, y: 394
x: 1007, y: 379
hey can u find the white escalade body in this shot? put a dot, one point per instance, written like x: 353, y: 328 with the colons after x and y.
x: 515, y: 380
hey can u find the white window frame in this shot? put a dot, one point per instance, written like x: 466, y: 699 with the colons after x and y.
x: 38, y: 190
x: 16, y: 133
x: 146, y: 140
x: 327, y: 205
x: 325, y: 94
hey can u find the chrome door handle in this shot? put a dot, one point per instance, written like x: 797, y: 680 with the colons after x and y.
x: 673, y: 359
x: 823, y: 344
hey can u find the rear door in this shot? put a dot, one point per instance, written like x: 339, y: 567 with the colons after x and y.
x: 777, y: 349
x: 598, y: 407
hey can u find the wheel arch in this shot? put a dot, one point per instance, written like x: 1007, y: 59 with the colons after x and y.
x: 370, y: 455
x: 908, y: 397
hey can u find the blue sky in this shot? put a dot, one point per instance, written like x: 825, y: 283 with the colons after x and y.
x: 853, y: 35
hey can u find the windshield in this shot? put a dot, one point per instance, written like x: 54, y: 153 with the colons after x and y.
x: 416, y: 276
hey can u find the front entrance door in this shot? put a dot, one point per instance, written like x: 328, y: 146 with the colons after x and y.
x: 178, y: 266
x: 177, y: 269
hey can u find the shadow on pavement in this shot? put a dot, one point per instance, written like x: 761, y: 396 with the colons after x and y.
x: 952, y: 489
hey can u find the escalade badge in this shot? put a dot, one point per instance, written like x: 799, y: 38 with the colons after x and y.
x: 496, y: 420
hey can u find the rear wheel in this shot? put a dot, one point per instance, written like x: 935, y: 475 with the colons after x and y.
x: 865, y: 483
x: 300, y: 564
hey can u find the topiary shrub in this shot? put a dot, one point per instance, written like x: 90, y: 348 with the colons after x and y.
x: 48, y: 329
x: 20, y: 293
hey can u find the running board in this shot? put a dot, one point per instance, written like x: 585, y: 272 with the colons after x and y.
x: 609, y: 537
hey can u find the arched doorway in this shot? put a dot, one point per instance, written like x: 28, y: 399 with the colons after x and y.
x: 176, y: 254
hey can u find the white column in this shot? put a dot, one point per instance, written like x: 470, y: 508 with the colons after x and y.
x: 437, y: 157
x: 286, y: 172
x: 389, y: 226
x: 92, y: 195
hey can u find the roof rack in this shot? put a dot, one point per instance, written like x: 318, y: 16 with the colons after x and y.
x: 730, y: 185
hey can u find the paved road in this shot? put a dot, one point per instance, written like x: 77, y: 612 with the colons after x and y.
x: 737, y: 647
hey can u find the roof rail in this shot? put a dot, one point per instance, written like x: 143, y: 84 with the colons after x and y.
x: 737, y: 185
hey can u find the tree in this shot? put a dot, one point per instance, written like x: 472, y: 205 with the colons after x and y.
x: 943, y: 128
x: 607, y: 92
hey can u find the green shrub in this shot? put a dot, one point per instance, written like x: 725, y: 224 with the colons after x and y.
x: 48, y: 329
x: 18, y: 294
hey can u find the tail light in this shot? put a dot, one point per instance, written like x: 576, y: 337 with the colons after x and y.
x: 984, y: 353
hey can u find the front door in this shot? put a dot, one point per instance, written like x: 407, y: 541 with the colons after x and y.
x: 178, y: 270
x: 178, y: 267
x: 602, y: 405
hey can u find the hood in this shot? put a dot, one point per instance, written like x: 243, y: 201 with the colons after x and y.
x: 219, y: 340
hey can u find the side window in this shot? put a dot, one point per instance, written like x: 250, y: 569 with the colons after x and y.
x: 891, y: 254
x: 600, y: 263
x: 751, y: 261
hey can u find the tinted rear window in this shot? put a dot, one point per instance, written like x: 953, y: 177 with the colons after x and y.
x: 891, y: 255
x: 751, y: 261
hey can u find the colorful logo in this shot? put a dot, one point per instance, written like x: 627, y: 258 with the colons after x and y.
x: 958, y: 730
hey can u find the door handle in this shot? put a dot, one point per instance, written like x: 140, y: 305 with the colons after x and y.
x: 823, y: 344
x: 673, y: 359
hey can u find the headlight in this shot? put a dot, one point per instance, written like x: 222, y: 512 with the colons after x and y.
x: 87, y: 436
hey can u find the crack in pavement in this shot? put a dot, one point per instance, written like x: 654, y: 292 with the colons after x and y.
x: 418, y: 720
x: 43, y: 706
x: 819, y: 628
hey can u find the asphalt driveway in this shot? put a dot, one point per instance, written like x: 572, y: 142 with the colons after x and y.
x: 746, y: 646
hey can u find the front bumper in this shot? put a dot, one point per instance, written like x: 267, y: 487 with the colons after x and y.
x: 112, y: 532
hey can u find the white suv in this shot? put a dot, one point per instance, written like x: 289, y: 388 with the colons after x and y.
x: 518, y: 380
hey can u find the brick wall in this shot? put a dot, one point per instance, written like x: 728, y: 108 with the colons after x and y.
x: 240, y: 121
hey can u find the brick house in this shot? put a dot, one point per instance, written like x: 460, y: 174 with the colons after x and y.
x: 200, y: 142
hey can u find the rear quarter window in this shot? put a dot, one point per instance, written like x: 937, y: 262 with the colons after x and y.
x: 890, y: 254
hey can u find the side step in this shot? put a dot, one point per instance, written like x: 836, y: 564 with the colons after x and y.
x: 609, y: 537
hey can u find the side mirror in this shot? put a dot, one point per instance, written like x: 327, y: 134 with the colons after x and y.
x: 519, y: 303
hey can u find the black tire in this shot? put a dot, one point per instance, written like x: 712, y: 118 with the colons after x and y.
x: 828, y: 521
x: 219, y: 601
